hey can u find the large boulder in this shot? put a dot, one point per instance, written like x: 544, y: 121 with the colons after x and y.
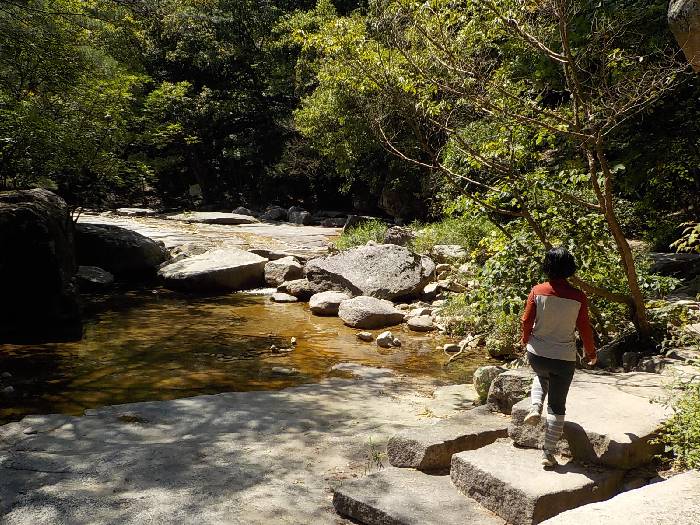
x: 385, y: 271
x: 122, y: 252
x: 369, y: 312
x: 221, y: 270
x: 37, y: 269
x: 327, y: 303
x: 281, y: 270
x: 684, y: 21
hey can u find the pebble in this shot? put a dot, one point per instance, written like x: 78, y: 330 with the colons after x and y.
x: 279, y: 370
x: 29, y: 430
x: 293, y: 341
x: 385, y: 339
x: 365, y: 336
x: 451, y: 348
x: 396, y: 342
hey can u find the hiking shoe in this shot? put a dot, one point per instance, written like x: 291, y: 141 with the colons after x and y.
x: 533, y: 417
x: 548, y: 460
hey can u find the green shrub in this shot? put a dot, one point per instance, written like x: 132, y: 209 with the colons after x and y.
x: 689, y: 242
x: 469, y: 232
x: 373, y: 230
x: 503, y: 339
x: 681, y: 433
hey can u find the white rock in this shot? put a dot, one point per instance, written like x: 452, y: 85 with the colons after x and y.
x: 327, y: 303
x: 385, y: 339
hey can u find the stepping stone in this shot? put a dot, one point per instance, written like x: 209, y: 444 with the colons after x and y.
x: 213, y: 217
x: 608, y: 422
x: 671, y: 502
x: 511, y: 482
x: 431, y: 447
x: 408, y: 497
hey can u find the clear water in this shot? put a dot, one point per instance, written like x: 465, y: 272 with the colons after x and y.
x: 154, y: 344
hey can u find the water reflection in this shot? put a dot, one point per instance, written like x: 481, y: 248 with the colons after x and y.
x: 144, y: 345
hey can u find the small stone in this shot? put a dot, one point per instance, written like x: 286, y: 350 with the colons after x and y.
x: 423, y: 323
x: 396, y: 342
x: 430, y: 292
x: 293, y: 341
x: 281, y: 297
x: 385, y: 339
x: 450, y: 348
x: 273, y: 348
x: 483, y: 377
x: 365, y: 336
x: 29, y: 431
x: 8, y: 390
x: 440, y: 268
x: 280, y: 370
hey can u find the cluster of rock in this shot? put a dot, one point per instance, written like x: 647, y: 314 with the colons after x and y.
x: 484, y: 467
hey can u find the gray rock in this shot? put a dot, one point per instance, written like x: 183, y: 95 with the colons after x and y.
x: 37, y: 278
x: 327, y: 303
x: 430, y: 291
x: 178, y: 253
x: 385, y: 340
x: 407, y: 497
x: 431, y: 447
x: 671, y: 502
x: 243, y: 211
x: 617, y: 432
x: 443, y: 267
x: 333, y: 222
x: 448, y: 253
x: 225, y: 269
x: 297, y: 215
x: 367, y: 337
x: 281, y: 270
x: 422, y: 323
x: 385, y: 271
x: 509, y: 388
x: 451, y: 348
x: 369, y: 312
x: 684, y: 21
x: 483, y: 377
x: 302, y: 288
x: 512, y: 483
x: 213, y: 217
x: 92, y: 278
x: 271, y: 255
x: 8, y: 390
x: 121, y: 252
x: 136, y: 212
x: 283, y: 371
x: 398, y: 235
x: 280, y: 297
x: 416, y: 312
x: 274, y: 213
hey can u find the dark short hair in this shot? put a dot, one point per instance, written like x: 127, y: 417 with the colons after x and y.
x: 559, y: 263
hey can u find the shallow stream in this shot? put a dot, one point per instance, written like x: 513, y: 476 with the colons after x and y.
x: 154, y: 344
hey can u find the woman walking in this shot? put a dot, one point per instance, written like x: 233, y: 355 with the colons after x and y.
x: 554, y: 309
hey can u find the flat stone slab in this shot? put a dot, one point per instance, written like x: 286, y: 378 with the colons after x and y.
x: 609, y: 420
x: 214, y: 217
x: 671, y: 502
x: 431, y: 447
x: 511, y: 482
x: 408, y: 497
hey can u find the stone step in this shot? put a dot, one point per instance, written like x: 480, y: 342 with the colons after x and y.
x: 610, y: 420
x: 431, y: 447
x: 408, y: 497
x: 511, y: 482
x: 671, y: 502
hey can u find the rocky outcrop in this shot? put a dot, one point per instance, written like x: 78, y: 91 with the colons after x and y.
x: 369, y: 312
x: 221, y: 270
x: 37, y: 269
x: 327, y: 303
x: 385, y: 271
x: 432, y: 447
x: 281, y: 270
x: 684, y: 21
x: 122, y: 252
